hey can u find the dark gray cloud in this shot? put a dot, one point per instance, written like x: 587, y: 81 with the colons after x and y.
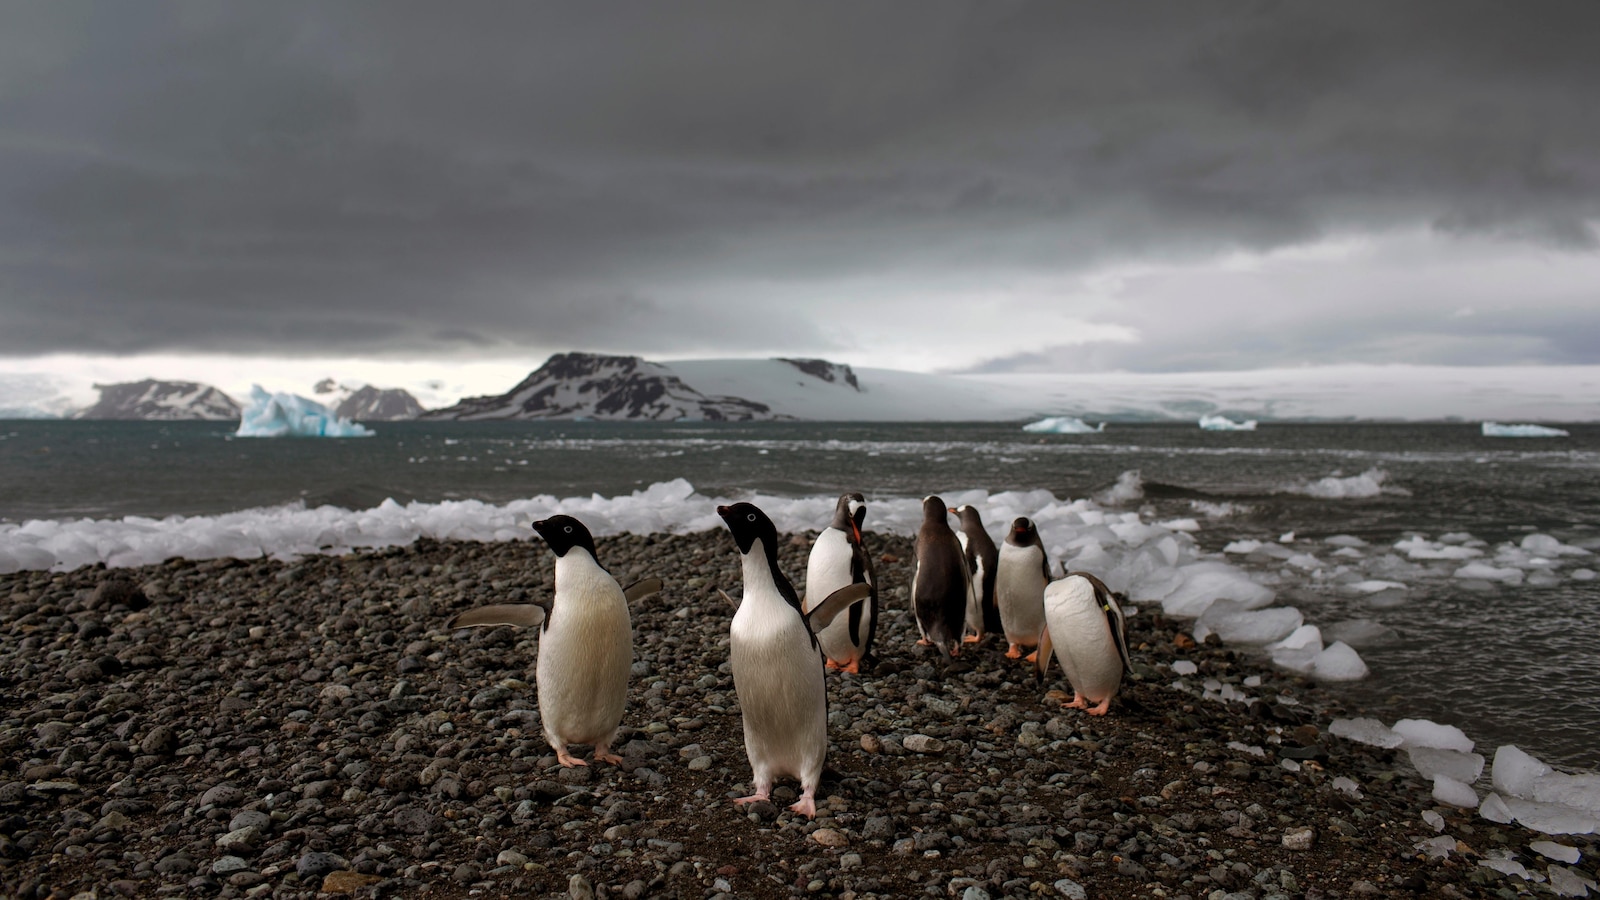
x: 678, y: 178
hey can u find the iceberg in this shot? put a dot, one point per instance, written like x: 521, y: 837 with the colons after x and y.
x: 1223, y: 423
x: 279, y: 414
x: 1063, y: 425
x: 1495, y: 429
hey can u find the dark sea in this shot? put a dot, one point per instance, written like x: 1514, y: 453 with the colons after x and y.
x: 1507, y: 659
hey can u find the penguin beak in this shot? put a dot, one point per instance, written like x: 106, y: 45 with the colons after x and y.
x: 855, y: 530
x: 953, y: 512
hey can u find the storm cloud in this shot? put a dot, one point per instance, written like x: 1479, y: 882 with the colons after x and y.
x: 475, y: 180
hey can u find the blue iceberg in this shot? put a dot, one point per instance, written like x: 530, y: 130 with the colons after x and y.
x: 1063, y: 425
x: 289, y: 415
x: 1495, y: 429
x: 1223, y: 423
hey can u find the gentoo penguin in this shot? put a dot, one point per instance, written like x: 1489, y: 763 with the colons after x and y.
x: 1020, y: 580
x: 777, y: 666
x: 837, y: 560
x: 1083, y: 622
x: 585, y: 643
x: 982, y: 561
x: 940, y: 581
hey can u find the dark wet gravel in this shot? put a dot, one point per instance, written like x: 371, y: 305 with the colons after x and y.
x: 258, y: 728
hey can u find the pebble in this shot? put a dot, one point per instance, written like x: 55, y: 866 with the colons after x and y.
x: 829, y: 837
x: 921, y: 743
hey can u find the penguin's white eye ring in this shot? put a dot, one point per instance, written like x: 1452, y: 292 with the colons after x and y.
x: 752, y: 517
x: 567, y: 529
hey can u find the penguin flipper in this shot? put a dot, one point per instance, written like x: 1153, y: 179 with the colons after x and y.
x: 642, y: 588
x: 1041, y: 661
x: 526, y: 615
x: 731, y: 602
x: 837, y: 602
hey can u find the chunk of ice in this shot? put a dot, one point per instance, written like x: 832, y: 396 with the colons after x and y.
x: 1339, y: 662
x: 1365, y: 731
x: 1508, y: 574
x: 1423, y: 733
x: 1501, y: 862
x: 1242, y: 546
x: 1555, y: 851
x: 1184, y: 667
x: 1434, y: 820
x: 1515, y: 772
x: 1494, y: 809
x: 1436, y: 847
x: 1361, y: 633
x: 1429, y: 761
x: 1545, y: 545
x: 1450, y: 791
x: 1567, y: 883
x: 1373, y: 586
x: 1551, y: 818
x: 1367, y: 484
x: 1347, y: 787
x: 1206, y: 582
x: 1234, y: 625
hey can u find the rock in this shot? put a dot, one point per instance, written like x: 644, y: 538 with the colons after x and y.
x: 829, y: 837
x: 227, y: 865
x: 871, y: 744
x: 239, y: 839
x: 224, y: 794
x: 315, y: 864
x: 159, y: 741
x: 345, y: 881
x: 1072, y: 890
x: 921, y: 743
x: 1299, y: 838
x: 579, y: 888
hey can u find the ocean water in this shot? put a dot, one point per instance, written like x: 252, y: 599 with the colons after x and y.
x: 1508, y: 659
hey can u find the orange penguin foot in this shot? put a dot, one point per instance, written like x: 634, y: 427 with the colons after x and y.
x: 1077, y: 702
x: 604, y: 754
x: 853, y: 667
x: 924, y: 642
x: 971, y: 638
x: 834, y: 665
x: 1013, y: 652
x: 1032, y: 657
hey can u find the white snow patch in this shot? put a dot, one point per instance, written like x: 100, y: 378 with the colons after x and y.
x: 1223, y: 423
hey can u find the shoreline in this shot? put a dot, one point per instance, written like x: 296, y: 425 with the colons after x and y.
x: 323, y: 703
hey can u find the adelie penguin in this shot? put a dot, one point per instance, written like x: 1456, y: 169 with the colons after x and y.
x: 585, y: 642
x: 777, y: 665
x: 1084, y: 626
x: 839, y: 560
x: 941, y: 580
x: 983, y: 616
x: 1020, y: 580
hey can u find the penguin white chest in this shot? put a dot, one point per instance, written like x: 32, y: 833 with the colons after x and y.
x: 1019, y: 592
x: 1082, y: 639
x: 777, y: 674
x: 585, y: 653
x: 829, y: 569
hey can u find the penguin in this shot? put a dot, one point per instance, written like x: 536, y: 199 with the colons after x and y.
x: 941, y: 581
x: 838, y: 559
x: 1084, y: 626
x: 983, y: 616
x: 1020, y: 580
x: 777, y: 665
x: 585, y: 643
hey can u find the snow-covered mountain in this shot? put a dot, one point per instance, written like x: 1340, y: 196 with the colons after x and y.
x: 164, y: 401
x: 593, y: 386
x: 367, y: 403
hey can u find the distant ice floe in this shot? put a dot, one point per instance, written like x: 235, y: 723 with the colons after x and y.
x: 279, y: 414
x: 1063, y: 425
x: 1495, y: 429
x: 1223, y: 423
x: 1368, y: 484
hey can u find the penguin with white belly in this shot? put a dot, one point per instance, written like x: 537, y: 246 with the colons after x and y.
x: 838, y: 560
x: 1020, y: 580
x: 941, y: 580
x: 983, y: 616
x: 777, y: 665
x: 1084, y: 626
x: 585, y: 643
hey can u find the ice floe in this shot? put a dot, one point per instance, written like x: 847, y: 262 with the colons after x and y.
x: 1223, y: 423
x: 271, y: 415
x: 1335, y: 487
x: 1063, y: 425
x: 1495, y: 429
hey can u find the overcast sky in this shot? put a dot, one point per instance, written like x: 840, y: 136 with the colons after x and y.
x: 961, y: 187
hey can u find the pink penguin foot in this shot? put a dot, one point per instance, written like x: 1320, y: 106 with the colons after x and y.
x: 742, y: 801
x: 1102, y: 709
x: 567, y: 759
x: 1077, y: 702
x: 805, y: 806
x: 604, y: 754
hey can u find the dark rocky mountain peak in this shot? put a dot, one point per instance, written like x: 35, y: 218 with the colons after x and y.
x: 166, y: 401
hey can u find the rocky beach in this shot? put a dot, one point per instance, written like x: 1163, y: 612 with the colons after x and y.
x: 257, y: 728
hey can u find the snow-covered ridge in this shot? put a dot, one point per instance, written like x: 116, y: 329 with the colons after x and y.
x: 165, y: 401
x: 592, y: 386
